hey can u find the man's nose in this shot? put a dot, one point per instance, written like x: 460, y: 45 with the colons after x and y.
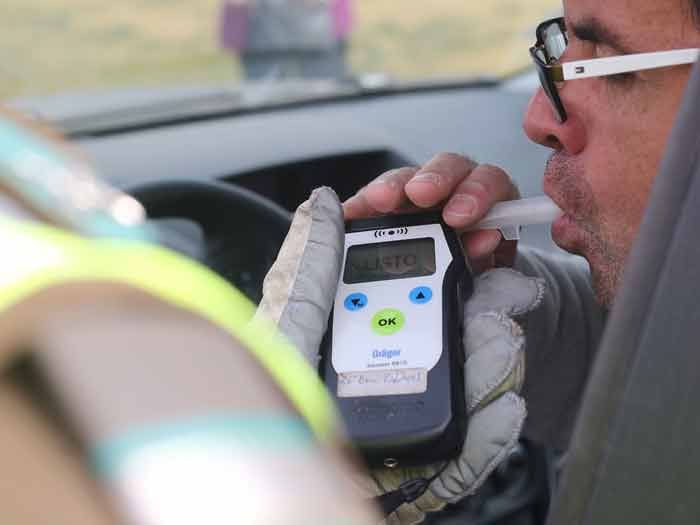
x: 541, y: 126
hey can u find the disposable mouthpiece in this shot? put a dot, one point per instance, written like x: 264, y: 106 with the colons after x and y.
x: 509, y: 216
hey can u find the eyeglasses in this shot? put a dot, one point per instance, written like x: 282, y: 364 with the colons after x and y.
x: 551, y: 44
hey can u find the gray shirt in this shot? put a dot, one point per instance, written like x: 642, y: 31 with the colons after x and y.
x: 562, y: 338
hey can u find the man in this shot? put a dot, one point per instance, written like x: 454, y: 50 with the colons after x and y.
x: 604, y: 158
x: 607, y: 131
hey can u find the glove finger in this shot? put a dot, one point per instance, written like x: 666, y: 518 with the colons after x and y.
x: 494, y: 347
x: 505, y: 291
x: 299, y: 289
x: 491, y: 435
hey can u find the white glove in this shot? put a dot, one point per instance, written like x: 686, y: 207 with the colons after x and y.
x: 298, y: 295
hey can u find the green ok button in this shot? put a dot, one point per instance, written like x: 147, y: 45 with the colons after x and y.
x: 387, y: 321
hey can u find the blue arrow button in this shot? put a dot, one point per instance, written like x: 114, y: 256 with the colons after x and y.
x: 420, y: 295
x: 355, y: 301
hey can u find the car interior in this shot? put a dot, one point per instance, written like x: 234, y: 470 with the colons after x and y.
x: 257, y: 168
x: 250, y: 169
x: 222, y: 188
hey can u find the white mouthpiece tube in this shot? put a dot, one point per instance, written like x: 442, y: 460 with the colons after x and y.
x: 508, y: 216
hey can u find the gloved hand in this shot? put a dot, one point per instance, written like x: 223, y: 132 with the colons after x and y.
x: 298, y: 295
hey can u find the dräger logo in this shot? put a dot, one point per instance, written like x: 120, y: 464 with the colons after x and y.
x: 385, y: 354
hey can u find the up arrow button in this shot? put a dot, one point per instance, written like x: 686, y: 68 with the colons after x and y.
x: 420, y: 295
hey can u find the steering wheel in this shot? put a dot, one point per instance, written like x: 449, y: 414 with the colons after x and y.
x: 242, y: 231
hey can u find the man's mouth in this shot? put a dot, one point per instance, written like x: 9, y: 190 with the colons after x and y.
x: 560, y: 184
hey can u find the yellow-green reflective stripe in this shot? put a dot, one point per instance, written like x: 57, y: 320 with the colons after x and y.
x: 38, y: 256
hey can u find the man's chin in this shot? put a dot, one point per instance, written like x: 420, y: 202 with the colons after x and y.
x: 568, y: 235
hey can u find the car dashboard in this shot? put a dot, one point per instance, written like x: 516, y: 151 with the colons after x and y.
x: 284, y: 153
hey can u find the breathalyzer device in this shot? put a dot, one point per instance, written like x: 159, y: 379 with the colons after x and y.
x: 393, y: 355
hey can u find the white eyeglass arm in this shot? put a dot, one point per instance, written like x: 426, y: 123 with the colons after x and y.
x: 599, y: 67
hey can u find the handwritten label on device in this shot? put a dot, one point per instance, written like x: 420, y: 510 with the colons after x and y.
x: 383, y: 382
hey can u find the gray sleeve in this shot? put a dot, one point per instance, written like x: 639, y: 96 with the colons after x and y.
x: 562, y: 338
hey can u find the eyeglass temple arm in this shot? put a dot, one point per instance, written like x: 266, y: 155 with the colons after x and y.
x: 599, y: 67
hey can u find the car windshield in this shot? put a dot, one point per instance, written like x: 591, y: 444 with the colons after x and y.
x: 54, y: 47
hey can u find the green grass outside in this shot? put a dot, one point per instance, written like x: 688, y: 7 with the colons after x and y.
x: 49, y: 46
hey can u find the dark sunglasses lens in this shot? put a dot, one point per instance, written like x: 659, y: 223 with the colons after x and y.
x: 554, y: 42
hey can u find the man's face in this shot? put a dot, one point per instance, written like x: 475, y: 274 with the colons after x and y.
x: 608, y: 151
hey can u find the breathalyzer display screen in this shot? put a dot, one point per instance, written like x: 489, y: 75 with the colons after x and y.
x: 389, y: 260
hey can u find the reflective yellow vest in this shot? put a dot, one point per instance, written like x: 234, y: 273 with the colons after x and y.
x: 36, y: 257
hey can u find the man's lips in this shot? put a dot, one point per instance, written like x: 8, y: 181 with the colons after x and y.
x: 567, y: 234
x: 563, y: 222
x: 558, y: 174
